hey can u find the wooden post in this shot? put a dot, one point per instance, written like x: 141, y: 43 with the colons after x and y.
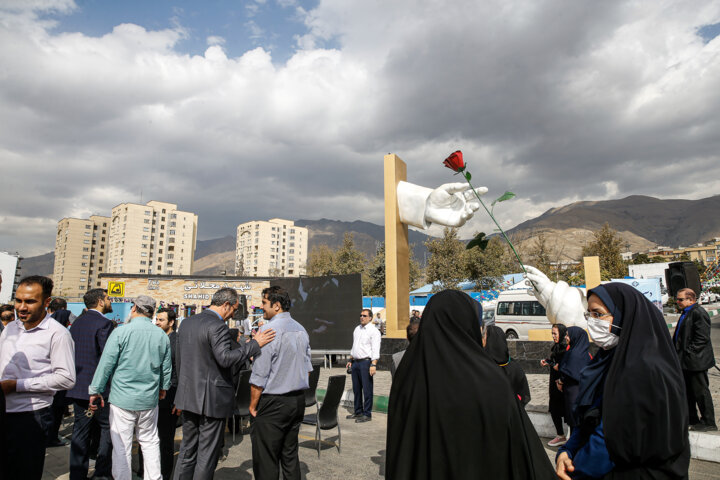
x: 397, y: 253
x: 592, y: 272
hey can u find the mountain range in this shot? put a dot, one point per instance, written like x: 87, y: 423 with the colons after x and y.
x: 642, y: 222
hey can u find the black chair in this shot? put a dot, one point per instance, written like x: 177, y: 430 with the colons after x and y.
x: 310, y: 397
x: 242, y: 399
x: 326, y: 417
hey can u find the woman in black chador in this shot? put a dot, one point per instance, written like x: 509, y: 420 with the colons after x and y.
x: 496, y: 346
x: 557, y: 402
x: 575, y: 359
x: 631, y: 409
x: 453, y: 413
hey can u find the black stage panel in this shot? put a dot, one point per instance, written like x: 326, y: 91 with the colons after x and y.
x: 328, y: 307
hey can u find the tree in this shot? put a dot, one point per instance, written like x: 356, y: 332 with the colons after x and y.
x: 447, y: 263
x: 349, y: 259
x: 641, y: 259
x: 321, y: 261
x: 486, y: 267
x: 541, y: 255
x: 607, y: 245
x: 376, y: 273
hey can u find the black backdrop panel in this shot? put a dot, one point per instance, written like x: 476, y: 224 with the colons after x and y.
x: 328, y: 307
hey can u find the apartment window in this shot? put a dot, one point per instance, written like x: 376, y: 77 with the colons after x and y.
x: 83, y: 279
x: 161, y: 242
x: 143, y: 254
x: 291, y: 258
x: 292, y: 244
x: 143, y: 262
x: 272, y: 256
x: 86, y: 242
x: 172, y: 232
x: 292, y: 250
x: 83, y: 264
x: 142, y: 270
x: 173, y: 215
x: 292, y: 237
x: 170, y: 255
x: 272, y: 236
x: 172, y: 224
x: 170, y: 264
x: 171, y: 248
x: 162, y: 235
x: 162, y: 227
x: 144, y: 237
x: 147, y: 212
x: 147, y: 220
x: 88, y: 226
x: 101, y: 254
x: 292, y: 230
x: 146, y: 229
x: 273, y: 229
x: 84, y: 257
x: 160, y: 251
x: 290, y: 265
x: 171, y: 240
x: 87, y: 234
x: 169, y: 272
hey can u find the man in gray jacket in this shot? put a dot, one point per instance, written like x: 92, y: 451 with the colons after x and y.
x: 205, y: 392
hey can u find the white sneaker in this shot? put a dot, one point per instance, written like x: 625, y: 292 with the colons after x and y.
x: 557, y: 441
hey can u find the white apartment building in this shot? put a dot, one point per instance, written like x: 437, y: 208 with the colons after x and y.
x: 155, y: 238
x: 80, y: 255
x: 271, y: 248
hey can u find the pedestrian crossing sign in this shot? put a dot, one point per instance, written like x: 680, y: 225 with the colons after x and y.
x: 116, y: 289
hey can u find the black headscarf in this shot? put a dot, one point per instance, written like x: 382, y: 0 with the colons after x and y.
x: 577, y: 357
x: 559, y: 348
x: 452, y: 411
x: 644, y: 409
x: 496, y: 346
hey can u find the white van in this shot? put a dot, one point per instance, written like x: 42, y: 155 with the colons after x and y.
x: 517, y: 312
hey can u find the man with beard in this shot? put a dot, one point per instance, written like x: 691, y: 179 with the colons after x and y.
x: 90, y: 332
x: 37, y: 359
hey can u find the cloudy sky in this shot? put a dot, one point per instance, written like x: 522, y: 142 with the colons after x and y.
x: 241, y: 110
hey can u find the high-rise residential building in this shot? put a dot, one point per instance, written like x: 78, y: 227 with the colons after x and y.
x: 80, y: 255
x: 155, y: 238
x: 272, y: 248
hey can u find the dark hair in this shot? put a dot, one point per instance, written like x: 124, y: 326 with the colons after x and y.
x: 45, y: 283
x: 7, y: 308
x: 689, y: 292
x: 57, y: 303
x: 278, y: 294
x: 223, y: 296
x: 368, y: 311
x: 412, y: 329
x: 93, y: 297
x: 172, y: 316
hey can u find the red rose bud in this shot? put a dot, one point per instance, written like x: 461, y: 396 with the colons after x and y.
x: 455, y: 162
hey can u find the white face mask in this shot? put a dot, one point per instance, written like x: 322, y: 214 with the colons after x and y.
x: 599, y: 331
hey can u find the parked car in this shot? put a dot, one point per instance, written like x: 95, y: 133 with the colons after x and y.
x: 517, y: 312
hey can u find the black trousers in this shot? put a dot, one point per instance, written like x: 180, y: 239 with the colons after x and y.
x: 697, y: 391
x: 23, y: 443
x: 80, y: 444
x: 274, y: 435
x: 200, y: 448
x: 167, y: 424
x: 58, y: 411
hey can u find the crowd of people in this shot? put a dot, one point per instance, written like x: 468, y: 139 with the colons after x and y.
x: 137, y: 380
x: 456, y: 403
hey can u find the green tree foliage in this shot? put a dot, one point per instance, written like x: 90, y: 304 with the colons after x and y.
x: 486, y: 267
x: 641, y: 259
x: 349, y: 259
x: 607, y: 245
x: 321, y: 261
x: 447, y: 263
x: 376, y: 273
x: 541, y: 254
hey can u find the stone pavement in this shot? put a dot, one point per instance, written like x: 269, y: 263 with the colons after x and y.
x: 362, y: 455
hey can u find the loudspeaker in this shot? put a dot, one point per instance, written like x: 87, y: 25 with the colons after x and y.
x: 681, y: 275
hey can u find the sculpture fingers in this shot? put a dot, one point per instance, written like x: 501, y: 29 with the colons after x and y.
x: 452, y: 188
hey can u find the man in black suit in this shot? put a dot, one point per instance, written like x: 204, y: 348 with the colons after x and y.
x: 693, y: 345
x: 205, y: 393
x: 90, y: 331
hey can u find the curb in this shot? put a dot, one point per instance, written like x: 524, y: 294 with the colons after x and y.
x: 703, y: 446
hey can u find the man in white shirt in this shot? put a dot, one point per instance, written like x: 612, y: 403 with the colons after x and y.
x: 37, y: 359
x: 364, y: 354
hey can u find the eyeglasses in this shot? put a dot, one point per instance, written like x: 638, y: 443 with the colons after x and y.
x: 363, y: 315
x: 595, y: 315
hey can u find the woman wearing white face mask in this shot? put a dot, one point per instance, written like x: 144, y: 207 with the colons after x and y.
x: 630, y: 407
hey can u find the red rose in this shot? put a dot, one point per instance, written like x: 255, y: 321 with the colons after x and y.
x: 455, y: 162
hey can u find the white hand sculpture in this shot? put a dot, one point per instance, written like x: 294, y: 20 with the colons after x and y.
x: 451, y: 204
x: 563, y: 303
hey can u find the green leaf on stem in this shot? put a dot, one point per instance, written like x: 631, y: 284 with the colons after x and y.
x: 479, y: 241
x: 468, y: 177
x: 503, y: 197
